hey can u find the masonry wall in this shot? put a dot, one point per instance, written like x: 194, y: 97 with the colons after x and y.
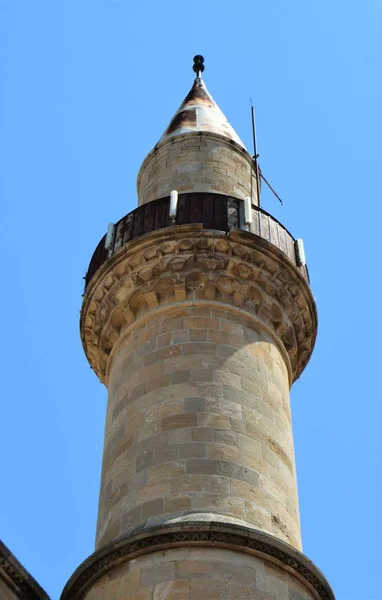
x: 196, y: 163
x: 198, y: 574
x: 6, y: 593
x: 198, y: 427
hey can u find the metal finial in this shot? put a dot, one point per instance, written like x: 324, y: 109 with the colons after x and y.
x: 198, y: 65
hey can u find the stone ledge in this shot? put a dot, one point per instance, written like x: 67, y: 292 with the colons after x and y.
x: 17, y: 578
x: 183, y: 264
x: 215, y: 534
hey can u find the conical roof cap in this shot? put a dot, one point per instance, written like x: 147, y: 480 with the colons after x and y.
x: 200, y: 113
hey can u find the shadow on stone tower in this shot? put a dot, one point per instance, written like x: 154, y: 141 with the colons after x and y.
x: 198, y: 317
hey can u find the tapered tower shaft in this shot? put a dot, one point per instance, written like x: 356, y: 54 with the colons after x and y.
x: 198, y: 323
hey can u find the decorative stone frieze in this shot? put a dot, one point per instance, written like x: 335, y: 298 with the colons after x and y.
x: 182, y: 265
x: 15, y: 581
x: 293, y: 569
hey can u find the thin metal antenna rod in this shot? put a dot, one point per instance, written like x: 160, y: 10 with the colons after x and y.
x: 255, y: 155
x: 271, y: 188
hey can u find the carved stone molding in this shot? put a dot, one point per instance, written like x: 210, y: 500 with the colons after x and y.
x: 17, y: 578
x: 218, y: 535
x: 184, y: 264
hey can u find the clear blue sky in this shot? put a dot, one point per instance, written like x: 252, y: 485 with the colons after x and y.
x: 88, y: 86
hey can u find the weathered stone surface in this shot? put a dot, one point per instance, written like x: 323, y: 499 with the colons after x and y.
x: 185, y: 445
x: 276, y: 299
x: 199, y: 574
x: 15, y: 581
x: 193, y: 163
x: 198, y: 337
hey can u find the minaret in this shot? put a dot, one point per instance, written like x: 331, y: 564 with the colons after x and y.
x: 198, y: 317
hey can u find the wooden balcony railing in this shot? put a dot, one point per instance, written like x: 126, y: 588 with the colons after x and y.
x: 213, y: 211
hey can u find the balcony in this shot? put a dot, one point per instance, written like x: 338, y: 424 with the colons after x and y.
x: 213, y: 211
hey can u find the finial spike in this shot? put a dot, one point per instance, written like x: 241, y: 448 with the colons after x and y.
x: 198, y: 65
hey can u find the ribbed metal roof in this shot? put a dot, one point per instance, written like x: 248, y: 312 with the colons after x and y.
x: 199, y: 112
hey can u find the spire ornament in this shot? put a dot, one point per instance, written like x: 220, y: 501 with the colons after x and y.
x: 198, y: 66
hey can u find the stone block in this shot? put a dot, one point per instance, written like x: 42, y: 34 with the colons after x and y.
x: 200, y: 483
x: 166, y: 454
x: 145, y: 460
x: 180, y: 377
x: 177, y: 504
x: 172, y: 590
x: 164, y: 339
x: 237, y: 591
x: 201, y: 434
x: 152, y: 508
x: 222, y: 468
x: 180, y: 336
x: 163, y: 472
x: 206, y: 589
x: 197, y: 335
x: 202, y: 375
x: 227, y: 379
x: 178, y: 436
x: 179, y: 421
x: 199, y: 348
x: 194, y: 405
x: 218, y: 337
x: 225, y: 436
x: 158, y: 573
x: 223, y: 452
x: 193, y: 450
x: 131, y: 518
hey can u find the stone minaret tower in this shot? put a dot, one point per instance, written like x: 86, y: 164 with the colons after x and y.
x: 198, y: 317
